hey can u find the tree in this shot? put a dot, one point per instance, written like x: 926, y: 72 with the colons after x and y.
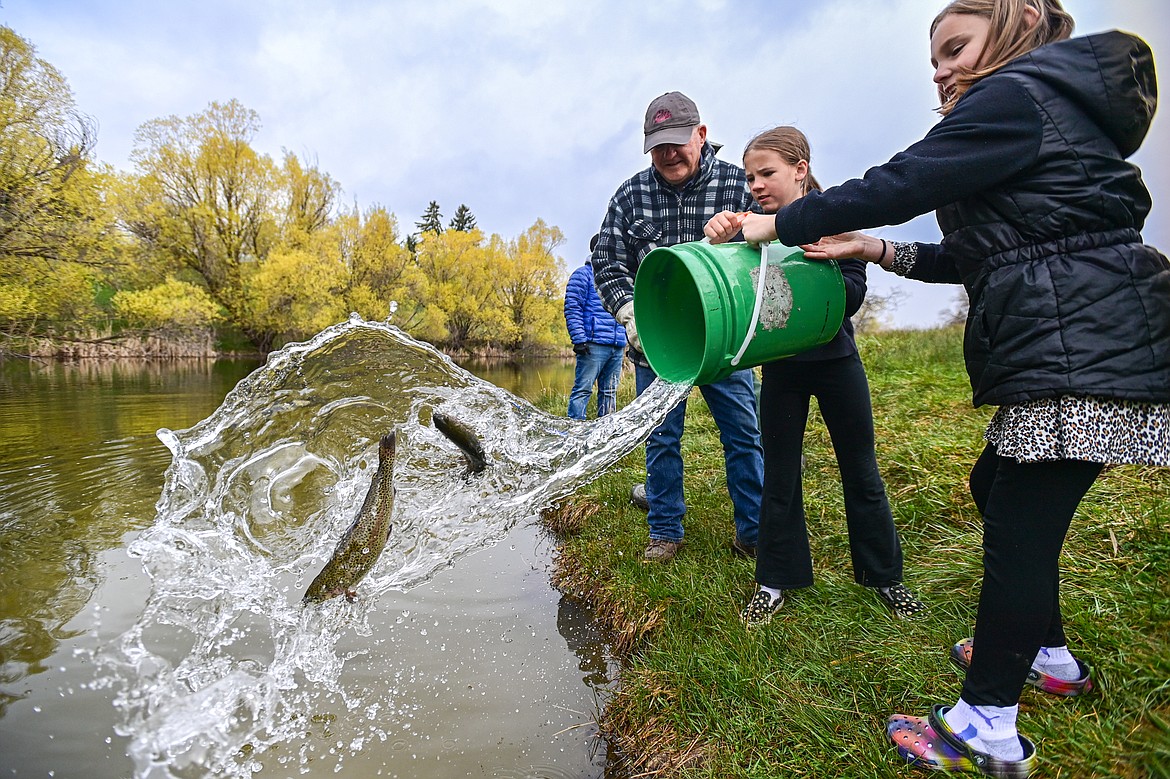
x: 44, y: 143
x: 294, y: 294
x: 529, y: 286
x: 459, y: 311
x: 463, y: 220
x: 55, y: 231
x: 310, y: 197
x: 381, y: 270
x: 957, y: 314
x: 173, y: 305
x: 431, y: 221
x: 871, y: 317
x: 205, y: 199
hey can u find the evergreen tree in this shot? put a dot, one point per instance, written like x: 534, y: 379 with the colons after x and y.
x: 431, y: 221
x: 464, y: 220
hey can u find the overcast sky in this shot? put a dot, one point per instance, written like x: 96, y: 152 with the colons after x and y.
x: 527, y: 109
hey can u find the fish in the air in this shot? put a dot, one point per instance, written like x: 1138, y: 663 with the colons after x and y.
x: 464, y: 438
x: 362, y: 543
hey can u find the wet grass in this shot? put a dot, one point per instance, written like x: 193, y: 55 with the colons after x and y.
x: 808, y: 695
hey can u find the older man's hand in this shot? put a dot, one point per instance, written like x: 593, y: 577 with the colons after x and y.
x: 625, y: 317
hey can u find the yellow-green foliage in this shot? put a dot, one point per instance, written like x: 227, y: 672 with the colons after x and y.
x: 381, y: 269
x: 295, y: 292
x: 208, y: 195
x: 54, y: 297
x: 284, y: 265
x: 55, y: 232
x: 459, y: 288
x: 171, y: 304
x: 530, y: 287
x: 17, y: 302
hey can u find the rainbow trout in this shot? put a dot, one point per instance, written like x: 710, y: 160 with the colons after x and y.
x: 463, y: 437
x: 362, y: 543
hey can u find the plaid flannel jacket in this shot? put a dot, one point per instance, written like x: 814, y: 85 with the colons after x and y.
x: 647, y: 212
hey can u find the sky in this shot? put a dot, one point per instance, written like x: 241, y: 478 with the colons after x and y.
x: 532, y: 109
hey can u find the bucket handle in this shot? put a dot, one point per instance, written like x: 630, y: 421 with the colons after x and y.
x: 751, y: 331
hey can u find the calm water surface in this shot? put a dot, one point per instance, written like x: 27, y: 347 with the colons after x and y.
x: 493, y: 672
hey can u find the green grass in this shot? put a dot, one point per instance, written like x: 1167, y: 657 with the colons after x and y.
x: 808, y: 695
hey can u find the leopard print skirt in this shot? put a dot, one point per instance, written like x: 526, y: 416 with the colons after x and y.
x: 1100, y: 430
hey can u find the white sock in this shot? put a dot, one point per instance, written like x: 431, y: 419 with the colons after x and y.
x: 1057, y: 661
x: 773, y: 593
x: 987, y: 729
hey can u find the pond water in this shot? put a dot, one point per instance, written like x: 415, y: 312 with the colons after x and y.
x: 150, y: 623
x: 528, y: 379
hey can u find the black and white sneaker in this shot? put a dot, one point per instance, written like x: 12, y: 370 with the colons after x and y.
x: 760, y: 608
x: 901, y: 600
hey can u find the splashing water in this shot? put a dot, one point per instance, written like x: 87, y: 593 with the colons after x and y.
x: 224, y: 663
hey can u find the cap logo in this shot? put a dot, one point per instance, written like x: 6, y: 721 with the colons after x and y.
x: 662, y: 116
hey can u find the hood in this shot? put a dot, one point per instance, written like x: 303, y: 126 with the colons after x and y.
x: 1120, y: 93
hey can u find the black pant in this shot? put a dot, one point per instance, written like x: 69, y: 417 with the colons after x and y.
x: 783, y: 559
x: 1027, y: 509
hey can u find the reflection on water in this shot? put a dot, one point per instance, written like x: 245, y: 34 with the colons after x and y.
x: 80, y: 466
x: 526, y: 378
x: 218, y: 668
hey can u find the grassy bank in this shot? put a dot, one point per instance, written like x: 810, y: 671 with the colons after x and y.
x: 808, y: 695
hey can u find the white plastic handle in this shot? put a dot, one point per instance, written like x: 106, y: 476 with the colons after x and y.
x: 751, y: 331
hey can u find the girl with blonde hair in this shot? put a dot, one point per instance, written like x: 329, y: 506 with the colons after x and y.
x: 778, y: 173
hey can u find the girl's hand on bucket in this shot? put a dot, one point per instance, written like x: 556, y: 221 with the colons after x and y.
x: 722, y: 227
x: 758, y: 228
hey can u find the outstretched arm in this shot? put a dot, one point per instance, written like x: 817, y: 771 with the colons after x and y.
x: 758, y: 228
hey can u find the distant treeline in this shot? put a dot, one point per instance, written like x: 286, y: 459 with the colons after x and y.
x: 206, y: 236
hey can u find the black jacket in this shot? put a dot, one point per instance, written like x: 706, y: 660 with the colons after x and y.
x: 1041, y: 217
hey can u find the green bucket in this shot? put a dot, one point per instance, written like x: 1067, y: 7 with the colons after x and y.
x: 694, y: 303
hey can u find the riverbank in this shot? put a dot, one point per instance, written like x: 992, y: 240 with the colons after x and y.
x: 111, y: 341
x: 808, y: 695
x: 204, y: 345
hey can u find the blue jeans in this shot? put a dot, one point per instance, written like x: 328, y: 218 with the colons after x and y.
x: 732, y: 402
x: 602, y: 365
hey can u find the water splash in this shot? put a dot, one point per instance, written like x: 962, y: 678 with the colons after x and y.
x: 224, y: 663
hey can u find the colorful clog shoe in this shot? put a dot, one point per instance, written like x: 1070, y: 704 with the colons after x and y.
x: 961, y: 656
x: 920, y: 746
x: 927, y: 742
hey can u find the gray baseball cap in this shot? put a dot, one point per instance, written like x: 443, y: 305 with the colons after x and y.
x: 671, y: 118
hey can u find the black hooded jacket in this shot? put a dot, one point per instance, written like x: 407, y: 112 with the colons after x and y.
x: 1041, y: 218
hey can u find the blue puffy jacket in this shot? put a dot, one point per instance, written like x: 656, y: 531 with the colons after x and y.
x: 585, y: 317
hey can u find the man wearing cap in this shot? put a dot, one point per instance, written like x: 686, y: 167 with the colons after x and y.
x: 666, y: 204
x: 598, y: 341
